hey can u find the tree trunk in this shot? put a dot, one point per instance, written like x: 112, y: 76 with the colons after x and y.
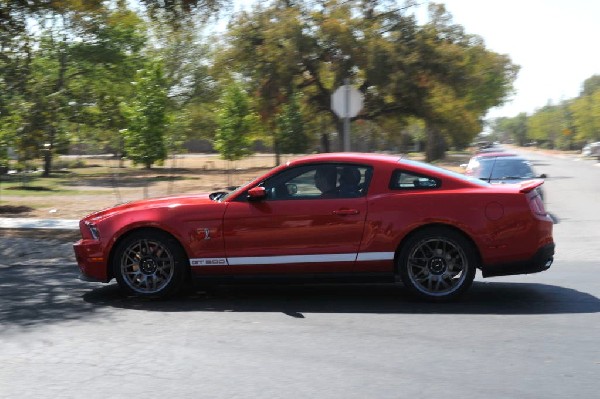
x: 325, y: 142
x: 436, y: 144
x: 48, y: 148
x: 277, y: 154
x: 47, y: 162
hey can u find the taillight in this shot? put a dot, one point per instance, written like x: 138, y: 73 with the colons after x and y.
x: 537, y: 204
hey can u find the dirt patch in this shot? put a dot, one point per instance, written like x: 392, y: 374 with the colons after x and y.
x: 94, y: 189
x: 14, y: 210
x: 30, y: 188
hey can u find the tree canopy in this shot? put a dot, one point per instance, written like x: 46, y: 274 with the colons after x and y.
x: 435, y: 72
x: 567, y: 125
x: 142, y: 79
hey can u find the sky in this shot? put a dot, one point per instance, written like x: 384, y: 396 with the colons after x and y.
x: 555, y: 42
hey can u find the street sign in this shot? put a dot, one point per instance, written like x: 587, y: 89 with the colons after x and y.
x: 346, y: 101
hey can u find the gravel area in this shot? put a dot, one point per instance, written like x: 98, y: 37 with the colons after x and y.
x: 37, y: 247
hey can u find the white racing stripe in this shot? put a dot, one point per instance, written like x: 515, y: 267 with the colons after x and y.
x: 367, y: 256
x: 287, y: 259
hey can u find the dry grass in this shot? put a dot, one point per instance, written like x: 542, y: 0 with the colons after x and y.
x: 104, y: 184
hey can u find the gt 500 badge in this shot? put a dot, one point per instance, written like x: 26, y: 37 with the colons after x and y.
x: 208, y: 262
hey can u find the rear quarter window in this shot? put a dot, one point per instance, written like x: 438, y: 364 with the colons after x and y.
x: 404, y: 180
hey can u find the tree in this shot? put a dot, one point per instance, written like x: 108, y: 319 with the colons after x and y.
x: 586, y: 116
x: 291, y: 137
x: 66, y: 68
x: 546, y: 124
x: 191, y: 88
x: 590, y: 85
x: 234, y: 120
x: 511, y: 128
x: 74, y: 66
x: 178, y: 13
x: 435, y: 72
x: 147, y: 117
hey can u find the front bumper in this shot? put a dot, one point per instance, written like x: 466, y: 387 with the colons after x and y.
x: 542, y: 260
x: 91, y: 260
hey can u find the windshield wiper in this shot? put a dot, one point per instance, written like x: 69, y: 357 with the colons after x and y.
x: 511, y: 178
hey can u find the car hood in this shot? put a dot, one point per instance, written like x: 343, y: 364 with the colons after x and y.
x: 151, y: 203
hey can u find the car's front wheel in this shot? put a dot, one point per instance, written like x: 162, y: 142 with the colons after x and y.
x: 149, y: 263
x: 437, y: 264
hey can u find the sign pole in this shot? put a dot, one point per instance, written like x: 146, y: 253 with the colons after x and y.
x: 346, y: 102
x: 346, y: 133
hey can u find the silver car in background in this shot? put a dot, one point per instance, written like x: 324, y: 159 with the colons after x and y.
x: 591, y: 150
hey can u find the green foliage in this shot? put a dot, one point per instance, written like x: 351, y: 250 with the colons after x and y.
x: 291, y: 137
x: 586, y: 116
x: 235, y: 123
x: 435, y: 72
x: 590, y: 86
x: 72, y: 78
x: 546, y: 124
x: 567, y: 125
x: 515, y: 129
x: 67, y: 67
x: 147, y: 118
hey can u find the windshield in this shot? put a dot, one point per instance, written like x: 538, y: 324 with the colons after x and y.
x: 503, y: 168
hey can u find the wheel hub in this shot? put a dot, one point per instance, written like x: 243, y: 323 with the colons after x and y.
x: 148, y: 266
x: 437, y: 265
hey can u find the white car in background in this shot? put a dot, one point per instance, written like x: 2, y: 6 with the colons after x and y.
x: 591, y: 150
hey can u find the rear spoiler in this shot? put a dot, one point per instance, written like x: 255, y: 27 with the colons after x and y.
x: 530, y: 185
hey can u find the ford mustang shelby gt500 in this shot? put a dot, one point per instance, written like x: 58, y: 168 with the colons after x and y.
x: 340, y: 217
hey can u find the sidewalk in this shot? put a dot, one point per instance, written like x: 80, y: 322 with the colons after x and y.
x: 29, y: 223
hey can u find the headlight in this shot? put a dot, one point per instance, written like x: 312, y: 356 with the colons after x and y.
x: 93, y: 231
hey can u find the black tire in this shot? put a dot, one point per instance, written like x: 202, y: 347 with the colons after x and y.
x: 150, y: 263
x: 437, y: 264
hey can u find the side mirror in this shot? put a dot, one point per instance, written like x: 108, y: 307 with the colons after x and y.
x: 257, y: 193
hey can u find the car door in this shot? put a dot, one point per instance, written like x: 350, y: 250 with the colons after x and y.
x: 294, y: 228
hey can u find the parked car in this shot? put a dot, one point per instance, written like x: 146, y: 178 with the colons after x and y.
x: 385, y: 219
x: 502, y: 168
x: 591, y: 150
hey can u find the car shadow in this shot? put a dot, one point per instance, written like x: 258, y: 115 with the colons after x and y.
x: 32, y: 295
x: 297, y: 300
x: 42, y: 294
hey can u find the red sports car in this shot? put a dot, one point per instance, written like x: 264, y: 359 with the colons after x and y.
x: 330, y: 217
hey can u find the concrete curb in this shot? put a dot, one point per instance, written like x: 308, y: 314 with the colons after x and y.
x: 46, y: 224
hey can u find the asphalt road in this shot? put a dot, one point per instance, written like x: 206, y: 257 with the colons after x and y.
x: 532, y: 336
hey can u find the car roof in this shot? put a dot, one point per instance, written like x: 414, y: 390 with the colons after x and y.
x: 495, y: 154
x: 510, y: 158
x: 345, y: 157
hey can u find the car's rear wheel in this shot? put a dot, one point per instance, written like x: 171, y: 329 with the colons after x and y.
x: 437, y: 264
x: 150, y: 263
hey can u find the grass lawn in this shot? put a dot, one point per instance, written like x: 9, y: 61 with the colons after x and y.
x: 97, y: 183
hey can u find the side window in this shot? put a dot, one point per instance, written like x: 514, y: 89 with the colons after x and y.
x: 319, y: 181
x: 403, y: 180
x: 297, y: 183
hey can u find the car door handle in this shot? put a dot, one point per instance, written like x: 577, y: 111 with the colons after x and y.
x: 346, y: 212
